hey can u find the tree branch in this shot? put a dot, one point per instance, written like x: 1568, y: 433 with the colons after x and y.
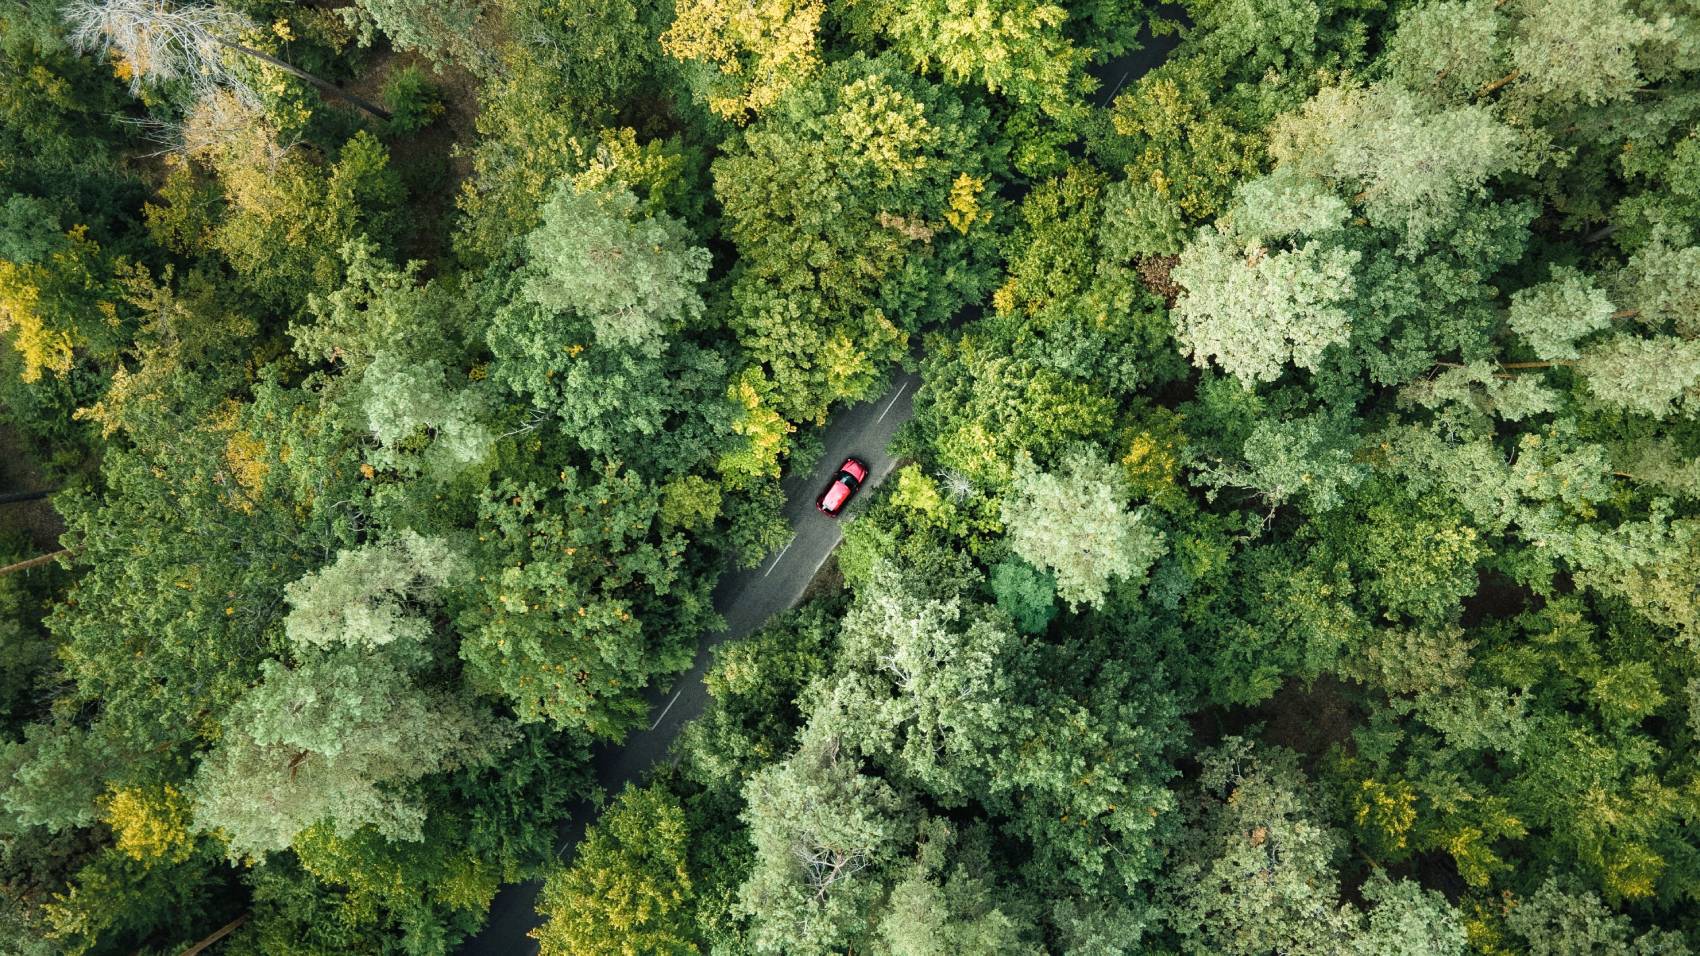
x: 1498, y: 84
x: 34, y: 562
x: 1599, y: 234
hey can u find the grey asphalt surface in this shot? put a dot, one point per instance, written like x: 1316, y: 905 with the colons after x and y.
x: 746, y: 599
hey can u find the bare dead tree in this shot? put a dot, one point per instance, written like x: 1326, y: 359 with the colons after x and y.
x: 223, y: 120
x: 956, y: 484
x: 162, y: 41
x: 218, y: 120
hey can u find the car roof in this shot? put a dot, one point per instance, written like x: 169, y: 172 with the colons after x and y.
x: 835, y: 495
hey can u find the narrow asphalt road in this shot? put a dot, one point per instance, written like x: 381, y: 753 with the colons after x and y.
x: 746, y: 599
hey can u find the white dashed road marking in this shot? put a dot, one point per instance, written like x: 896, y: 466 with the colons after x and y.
x: 664, y: 711
x: 781, y: 554
x: 893, y: 401
x: 1118, y: 88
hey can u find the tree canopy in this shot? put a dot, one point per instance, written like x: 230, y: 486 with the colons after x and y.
x: 1289, y: 541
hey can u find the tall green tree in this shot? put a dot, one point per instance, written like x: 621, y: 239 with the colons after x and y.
x: 925, y: 685
x: 457, y: 32
x: 1253, y: 309
x: 629, y: 887
x: 336, y: 738
x: 635, y: 279
x: 837, y: 203
x: 1075, y: 523
x: 1021, y: 49
x: 585, y: 595
x: 824, y: 831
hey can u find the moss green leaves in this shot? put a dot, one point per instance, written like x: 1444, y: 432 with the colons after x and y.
x: 837, y: 203
x: 583, y: 597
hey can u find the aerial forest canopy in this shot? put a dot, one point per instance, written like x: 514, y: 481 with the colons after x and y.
x: 1295, y: 547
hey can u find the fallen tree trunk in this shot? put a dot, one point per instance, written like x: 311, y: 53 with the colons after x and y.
x: 13, y: 497
x: 34, y: 562
x: 217, y: 935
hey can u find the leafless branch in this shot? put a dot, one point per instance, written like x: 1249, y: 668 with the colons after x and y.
x: 161, y: 42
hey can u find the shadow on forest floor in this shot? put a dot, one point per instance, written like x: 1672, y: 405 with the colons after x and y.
x: 19, y: 471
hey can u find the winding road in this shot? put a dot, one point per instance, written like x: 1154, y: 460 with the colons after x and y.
x: 746, y: 599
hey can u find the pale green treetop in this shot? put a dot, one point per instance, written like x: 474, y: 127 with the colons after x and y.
x: 1411, y: 166
x: 1553, y: 316
x: 1075, y: 522
x: 1658, y: 376
x: 1253, y: 310
x: 633, y: 277
x: 361, y: 599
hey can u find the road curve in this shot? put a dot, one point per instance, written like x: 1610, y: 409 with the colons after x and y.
x: 745, y: 599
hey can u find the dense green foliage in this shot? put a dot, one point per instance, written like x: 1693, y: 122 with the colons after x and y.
x: 1295, y: 547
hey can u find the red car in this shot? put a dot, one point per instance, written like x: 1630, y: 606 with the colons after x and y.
x: 850, y: 476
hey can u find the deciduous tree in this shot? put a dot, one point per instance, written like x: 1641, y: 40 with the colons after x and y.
x: 455, y: 31
x: 1552, y: 316
x: 335, y: 740
x: 629, y: 887
x: 634, y: 277
x: 836, y: 202
x: 825, y: 832
x: 367, y: 596
x: 1075, y: 523
x: 1410, y: 166
x: 1019, y: 48
x: 751, y: 54
x: 923, y: 685
x: 1253, y: 310
x: 584, y: 597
